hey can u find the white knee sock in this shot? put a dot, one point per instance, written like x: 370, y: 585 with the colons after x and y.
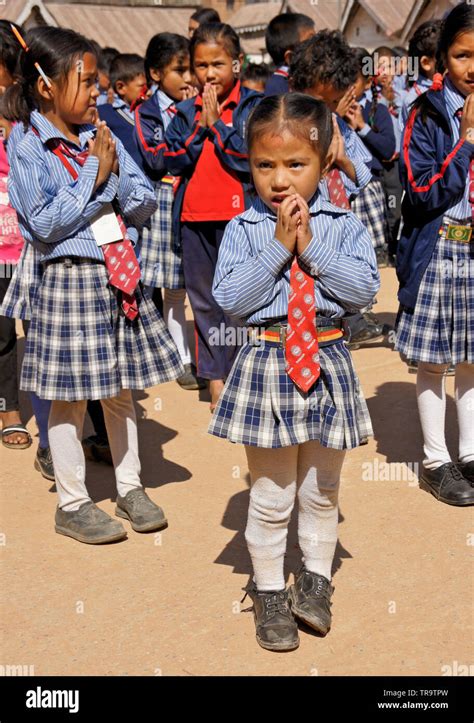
x: 121, y: 424
x: 175, y: 320
x: 272, y: 496
x: 66, y: 420
x: 464, y: 395
x: 431, y: 397
x: 319, y: 471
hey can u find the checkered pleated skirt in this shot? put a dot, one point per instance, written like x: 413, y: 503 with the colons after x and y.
x: 79, y: 346
x: 23, y: 288
x: 370, y: 206
x: 161, y: 256
x: 260, y: 406
x: 440, y: 329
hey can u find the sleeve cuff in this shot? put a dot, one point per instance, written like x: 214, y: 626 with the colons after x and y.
x: 365, y: 130
x: 274, y: 256
x: 363, y: 173
x: 317, y: 256
x: 108, y: 190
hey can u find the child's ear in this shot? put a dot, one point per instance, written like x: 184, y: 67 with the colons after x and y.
x: 120, y: 88
x: 427, y: 65
x: 46, y: 92
x: 287, y: 55
x: 155, y: 75
x: 325, y: 168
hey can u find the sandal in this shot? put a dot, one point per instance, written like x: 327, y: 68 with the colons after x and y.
x: 10, y: 429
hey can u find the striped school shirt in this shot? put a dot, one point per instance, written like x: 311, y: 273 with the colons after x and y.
x: 460, y: 211
x: 54, y: 211
x: 361, y: 159
x: 252, y: 277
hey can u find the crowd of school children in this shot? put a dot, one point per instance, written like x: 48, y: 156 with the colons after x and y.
x: 269, y: 196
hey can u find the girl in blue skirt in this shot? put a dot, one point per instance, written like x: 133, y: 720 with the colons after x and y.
x: 435, y: 262
x: 292, y: 399
x: 94, y: 334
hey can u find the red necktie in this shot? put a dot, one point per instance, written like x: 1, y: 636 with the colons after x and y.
x: 337, y: 192
x: 301, y: 347
x: 121, y: 262
x: 471, y: 173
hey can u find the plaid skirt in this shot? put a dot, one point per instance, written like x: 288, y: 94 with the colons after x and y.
x: 80, y: 346
x: 161, y: 255
x: 23, y: 288
x: 260, y: 406
x: 370, y: 206
x: 440, y: 329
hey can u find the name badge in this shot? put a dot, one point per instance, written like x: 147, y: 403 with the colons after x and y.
x: 105, y: 227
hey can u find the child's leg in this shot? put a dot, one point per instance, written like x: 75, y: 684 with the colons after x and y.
x: 175, y: 320
x: 66, y: 420
x: 272, y: 497
x: 41, y: 408
x: 464, y: 394
x: 319, y: 470
x: 431, y: 396
x: 121, y: 424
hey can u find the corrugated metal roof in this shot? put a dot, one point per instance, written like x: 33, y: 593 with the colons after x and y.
x: 11, y: 9
x: 128, y: 29
x: 255, y: 14
x: 391, y: 16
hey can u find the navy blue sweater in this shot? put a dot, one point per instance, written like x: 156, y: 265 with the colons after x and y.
x: 124, y: 128
x: 381, y: 143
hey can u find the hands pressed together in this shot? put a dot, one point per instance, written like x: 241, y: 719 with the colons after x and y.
x: 211, y: 109
x: 103, y: 146
x: 292, y: 228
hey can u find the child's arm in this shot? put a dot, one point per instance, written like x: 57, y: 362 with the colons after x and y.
x: 381, y: 143
x: 231, y: 147
x: 53, y: 214
x: 150, y: 137
x: 353, y: 159
x: 243, y: 282
x: 184, y: 144
x: 350, y: 274
x: 135, y: 193
x: 437, y: 185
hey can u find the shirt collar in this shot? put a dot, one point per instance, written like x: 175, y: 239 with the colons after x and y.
x: 120, y: 103
x: 259, y: 211
x: 454, y: 99
x: 233, y: 97
x: 164, y: 101
x: 47, y: 131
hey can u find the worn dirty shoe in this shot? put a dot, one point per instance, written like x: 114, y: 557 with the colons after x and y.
x: 141, y: 511
x: 275, y: 625
x: 310, y: 600
x: 89, y: 524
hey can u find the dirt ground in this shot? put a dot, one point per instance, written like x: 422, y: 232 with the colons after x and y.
x: 168, y: 603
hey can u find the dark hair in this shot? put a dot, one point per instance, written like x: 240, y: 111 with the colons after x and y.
x: 325, y: 58
x: 219, y: 33
x: 399, y: 51
x: 296, y: 112
x: 126, y: 67
x: 283, y: 33
x: 205, y: 15
x: 106, y: 58
x: 56, y: 50
x: 259, y: 72
x: 161, y: 50
x: 459, y: 20
x: 9, y: 47
x: 384, y: 50
x: 360, y: 56
x: 425, y: 39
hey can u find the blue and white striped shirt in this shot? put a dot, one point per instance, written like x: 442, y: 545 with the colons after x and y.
x: 422, y: 84
x: 252, y: 277
x: 55, y: 211
x: 461, y: 211
x: 360, y: 156
x: 165, y: 102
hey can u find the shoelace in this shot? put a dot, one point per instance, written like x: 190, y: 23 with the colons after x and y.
x: 452, y: 474
x: 277, y: 603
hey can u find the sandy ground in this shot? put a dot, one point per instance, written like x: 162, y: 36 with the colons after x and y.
x: 168, y: 603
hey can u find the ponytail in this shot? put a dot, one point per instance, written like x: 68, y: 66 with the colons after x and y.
x: 16, y: 103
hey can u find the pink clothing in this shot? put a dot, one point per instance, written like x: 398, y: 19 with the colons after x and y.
x: 11, y: 241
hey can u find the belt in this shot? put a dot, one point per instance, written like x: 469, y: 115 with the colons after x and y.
x: 328, y: 332
x: 72, y: 261
x: 461, y: 233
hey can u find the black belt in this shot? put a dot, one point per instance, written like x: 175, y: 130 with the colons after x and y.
x: 72, y: 261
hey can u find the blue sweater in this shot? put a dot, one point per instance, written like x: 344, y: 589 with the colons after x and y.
x: 423, y: 208
x: 381, y: 143
x: 123, y: 129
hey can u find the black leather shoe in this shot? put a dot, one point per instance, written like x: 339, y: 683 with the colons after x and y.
x: 310, y: 600
x: 447, y: 484
x: 44, y: 463
x: 97, y: 449
x: 275, y: 625
x: 467, y: 470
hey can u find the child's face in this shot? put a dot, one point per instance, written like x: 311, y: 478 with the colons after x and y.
x: 460, y: 63
x: 129, y: 91
x: 258, y: 85
x: 327, y: 93
x: 175, y: 78
x: 361, y: 84
x: 282, y: 164
x: 75, y: 101
x: 213, y: 64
